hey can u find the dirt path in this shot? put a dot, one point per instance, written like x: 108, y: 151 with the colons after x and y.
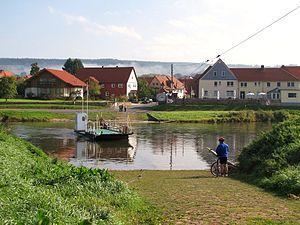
x: 195, y: 197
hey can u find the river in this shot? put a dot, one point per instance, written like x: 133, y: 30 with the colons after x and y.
x: 152, y: 146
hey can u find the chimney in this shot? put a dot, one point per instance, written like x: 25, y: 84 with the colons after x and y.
x: 262, y: 67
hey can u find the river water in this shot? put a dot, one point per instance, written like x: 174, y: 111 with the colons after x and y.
x: 152, y: 146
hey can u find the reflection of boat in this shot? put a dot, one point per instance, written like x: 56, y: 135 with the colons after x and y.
x: 101, y: 130
x: 118, y: 150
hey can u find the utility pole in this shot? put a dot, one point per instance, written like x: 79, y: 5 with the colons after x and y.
x: 172, y: 76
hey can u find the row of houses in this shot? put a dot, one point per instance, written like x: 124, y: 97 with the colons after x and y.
x: 113, y: 81
x: 218, y: 81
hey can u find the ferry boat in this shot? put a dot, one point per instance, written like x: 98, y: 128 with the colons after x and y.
x: 101, y: 130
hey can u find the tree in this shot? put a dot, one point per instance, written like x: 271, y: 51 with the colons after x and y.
x: 94, y: 88
x: 144, y: 91
x: 72, y: 66
x: 8, y: 87
x: 35, y: 69
x: 21, y: 86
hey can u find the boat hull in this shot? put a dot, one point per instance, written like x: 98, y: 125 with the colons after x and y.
x: 103, y: 137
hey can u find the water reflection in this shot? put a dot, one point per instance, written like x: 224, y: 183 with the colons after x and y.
x: 153, y: 146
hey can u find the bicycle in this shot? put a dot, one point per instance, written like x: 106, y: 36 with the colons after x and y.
x: 215, y: 167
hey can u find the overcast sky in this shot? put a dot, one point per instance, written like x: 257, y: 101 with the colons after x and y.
x: 158, y: 30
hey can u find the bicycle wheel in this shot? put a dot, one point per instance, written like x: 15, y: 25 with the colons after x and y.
x: 215, y: 169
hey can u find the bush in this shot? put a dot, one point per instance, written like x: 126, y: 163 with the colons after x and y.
x: 273, y: 159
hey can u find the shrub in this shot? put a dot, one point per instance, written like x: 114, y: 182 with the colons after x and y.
x: 272, y: 159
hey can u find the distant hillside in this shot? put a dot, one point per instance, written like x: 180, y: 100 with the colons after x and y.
x: 22, y: 65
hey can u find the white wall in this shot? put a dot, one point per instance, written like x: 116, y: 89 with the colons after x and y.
x: 31, y: 90
x: 132, y: 84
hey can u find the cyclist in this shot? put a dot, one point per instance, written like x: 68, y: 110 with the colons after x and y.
x: 222, y: 151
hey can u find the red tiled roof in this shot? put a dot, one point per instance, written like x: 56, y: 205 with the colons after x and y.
x: 106, y: 74
x: 4, y: 73
x: 294, y: 70
x: 166, y: 80
x: 262, y: 74
x: 65, y: 77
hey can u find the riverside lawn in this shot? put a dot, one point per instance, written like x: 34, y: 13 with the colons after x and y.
x: 36, y: 189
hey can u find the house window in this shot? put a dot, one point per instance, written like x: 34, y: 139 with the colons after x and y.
x: 230, y: 94
x: 268, y: 84
x: 102, y: 85
x: 113, y: 85
x: 220, y: 83
x: 215, y: 73
x: 258, y: 83
x: 134, y: 85
x: 223, y: 73
x: 215, y: 93
x: 291, y: 84
x: 205, y: 93
x: 244, y: 84
x: 106, y: 93
x: 120, y: 85
x: 278, y: 84
x: 129, y: 85
x: 255, y: 84
x: 292, y: 95
x: 215, y: 83
x: 229, y: 84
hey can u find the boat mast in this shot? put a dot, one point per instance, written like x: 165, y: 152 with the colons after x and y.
x: 87, y: 98
x: 82, y: 100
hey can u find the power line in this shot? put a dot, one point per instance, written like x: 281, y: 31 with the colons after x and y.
x: 259, y: 31
x: 248, y: 38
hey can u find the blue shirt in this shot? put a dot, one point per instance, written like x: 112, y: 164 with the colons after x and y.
x: 222, y: 150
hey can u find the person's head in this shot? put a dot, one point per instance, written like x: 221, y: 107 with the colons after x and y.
x: 221, y: 139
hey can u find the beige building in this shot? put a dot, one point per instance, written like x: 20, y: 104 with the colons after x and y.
x: 274, y: 84
x: 218, y: 82
x: 264, y: 82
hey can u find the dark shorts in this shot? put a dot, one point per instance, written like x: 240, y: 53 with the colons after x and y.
x: 223, y: 160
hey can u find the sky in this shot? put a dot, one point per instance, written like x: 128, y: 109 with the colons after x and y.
x: 156, y: 30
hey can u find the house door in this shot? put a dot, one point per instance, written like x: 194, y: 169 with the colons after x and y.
x: 242, y: 95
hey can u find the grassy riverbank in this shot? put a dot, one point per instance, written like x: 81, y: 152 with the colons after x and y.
x: 195, y: 197
x: 48, y: 104
x: 272, y: 161
x: 45, y: 116
x: 220, y: 107
x: 222, y: 116
x: 35, y: 189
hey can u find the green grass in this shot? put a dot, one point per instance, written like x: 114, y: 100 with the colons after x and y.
x: 48, y: 104
x: 35, y: 189
x: 219, y: 107
x: 195, y: 197
x: 32, y: 116
x: 272, y: 160
x: 44, y: 116
x: 221, y: 116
